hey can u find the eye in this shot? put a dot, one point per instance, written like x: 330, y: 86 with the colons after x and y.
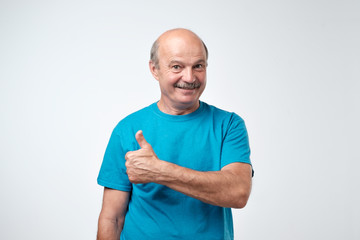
x: 176, y: 68
x: 199, y: 66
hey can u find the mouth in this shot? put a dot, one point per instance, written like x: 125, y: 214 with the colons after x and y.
x: 187, y: 86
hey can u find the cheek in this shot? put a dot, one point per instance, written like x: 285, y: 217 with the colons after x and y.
x: 202, y: 78
x: 172, y: 78
x: 167, y: 82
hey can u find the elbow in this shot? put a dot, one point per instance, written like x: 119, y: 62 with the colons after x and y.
x: 240, y: 200
x: 241, y: 203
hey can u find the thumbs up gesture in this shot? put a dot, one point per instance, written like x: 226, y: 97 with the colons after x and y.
x: 142, y: 166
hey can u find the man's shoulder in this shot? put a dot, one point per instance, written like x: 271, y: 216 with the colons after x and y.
x: 134, y: 118
x: 143, y: 112
x: 221, y: 113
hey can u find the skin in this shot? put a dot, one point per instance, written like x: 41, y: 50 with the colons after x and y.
x: 182, y: 62
x: 112, y: 215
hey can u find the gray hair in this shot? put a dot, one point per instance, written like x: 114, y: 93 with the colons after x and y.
x: 154, y: 53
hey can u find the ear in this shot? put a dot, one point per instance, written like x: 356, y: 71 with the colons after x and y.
x: 153, y: 70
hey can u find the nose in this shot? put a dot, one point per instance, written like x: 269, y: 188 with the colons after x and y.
x: 188, y: 75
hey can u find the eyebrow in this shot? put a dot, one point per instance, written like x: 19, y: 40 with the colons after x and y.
x: 180, y: 62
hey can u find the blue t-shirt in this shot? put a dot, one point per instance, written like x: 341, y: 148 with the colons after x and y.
x: 204, y: 140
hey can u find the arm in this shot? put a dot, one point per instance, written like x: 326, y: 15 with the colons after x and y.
x: 229, y: 187
x: 112, y: 215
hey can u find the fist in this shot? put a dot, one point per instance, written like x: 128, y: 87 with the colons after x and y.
x: 142, y: 166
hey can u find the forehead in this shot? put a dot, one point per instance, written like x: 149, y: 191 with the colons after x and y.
x: 181, y: 46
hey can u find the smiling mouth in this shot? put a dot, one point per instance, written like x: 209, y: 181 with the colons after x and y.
x: 187, y: 86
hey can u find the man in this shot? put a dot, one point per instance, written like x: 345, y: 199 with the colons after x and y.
x: 174, y: 169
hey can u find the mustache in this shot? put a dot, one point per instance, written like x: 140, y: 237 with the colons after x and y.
x: 185, y: 85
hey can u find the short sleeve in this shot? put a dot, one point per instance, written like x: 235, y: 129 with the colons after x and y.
x: 235, y: 146
x: 113, y: 171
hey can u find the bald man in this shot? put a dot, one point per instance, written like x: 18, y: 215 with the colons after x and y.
x: 174, y: 169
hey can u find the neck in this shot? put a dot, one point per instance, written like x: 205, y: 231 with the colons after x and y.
x: 177, y: 109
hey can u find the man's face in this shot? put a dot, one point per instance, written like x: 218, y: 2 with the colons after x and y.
x: 181, y: 72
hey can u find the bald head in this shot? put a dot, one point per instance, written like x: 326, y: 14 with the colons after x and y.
x: 178, y: 34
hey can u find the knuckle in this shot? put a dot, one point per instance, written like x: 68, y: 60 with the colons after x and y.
x: 128, y: 155
x: 132, y: 178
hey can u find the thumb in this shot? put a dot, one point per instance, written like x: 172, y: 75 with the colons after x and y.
x: 141, y: 140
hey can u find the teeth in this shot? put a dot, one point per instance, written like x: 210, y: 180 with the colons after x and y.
x: 188, y: 86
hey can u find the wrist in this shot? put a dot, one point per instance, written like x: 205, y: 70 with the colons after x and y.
x: 166, y: 172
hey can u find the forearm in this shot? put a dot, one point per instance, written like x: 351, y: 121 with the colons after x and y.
x: 112, y: 215
x: 109, y: 229
x: 221, y: 188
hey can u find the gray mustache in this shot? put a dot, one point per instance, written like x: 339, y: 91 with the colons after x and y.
x: 185, y: 85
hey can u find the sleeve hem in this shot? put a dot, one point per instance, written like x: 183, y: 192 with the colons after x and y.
x: 239, y: 161
x: 114, y: 185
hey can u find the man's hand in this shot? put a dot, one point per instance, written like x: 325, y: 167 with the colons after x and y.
x: 142, y: 166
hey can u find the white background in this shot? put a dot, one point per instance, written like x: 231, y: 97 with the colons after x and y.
x: 70, y: 70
